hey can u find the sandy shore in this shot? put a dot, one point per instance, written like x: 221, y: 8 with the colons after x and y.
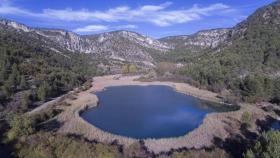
x: 214, y: 125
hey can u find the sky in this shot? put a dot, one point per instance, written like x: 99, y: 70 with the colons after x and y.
x: 157, y: 18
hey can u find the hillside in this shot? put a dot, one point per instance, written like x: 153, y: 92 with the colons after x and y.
x: 193, y: 45
x: 30, y: 71
x: 248, y: 62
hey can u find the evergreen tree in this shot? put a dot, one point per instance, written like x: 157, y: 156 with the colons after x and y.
x: 23, y: 83
x: 132, y: 68
x: 16, y: 73
x: 3, y: 75
x: 276, y: 92
x: 25, y: 101
x: 11, y: 82
x: 42, y: 92
x: 2, y: 96
x: 125, y: 69
x: 6, y: 91
x: 252, y: 88
x: 20, y: 126
x: 267, y: 146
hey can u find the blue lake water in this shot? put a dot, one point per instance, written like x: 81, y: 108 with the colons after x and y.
x: 276, y: 125
x: 148, y: 111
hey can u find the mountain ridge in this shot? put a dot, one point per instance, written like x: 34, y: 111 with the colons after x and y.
x: 204, y: 38
x: 138, y: 48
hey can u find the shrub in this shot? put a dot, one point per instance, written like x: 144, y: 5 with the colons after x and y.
x: 132, y: 68
x: 267, y: 146
x: 42, y: 92
x: 25, y: 100
x: 129, y: 68
x: 246, y: 119
x: 215, y: 153
x: 46, y: 145
x: 20, y: 126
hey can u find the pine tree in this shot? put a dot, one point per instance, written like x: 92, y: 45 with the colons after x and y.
x: 132, y: 68
x: 42, y: 92
x: 6, y: 91
x: 20, y: 126
x: 13, y: 79
x: 16, y: 73
x: 25, y: 101
x: 276, y: 92
x: 23, y: 83
x: 11, y: 82
x: 3, y: 75
x: 125, y: 69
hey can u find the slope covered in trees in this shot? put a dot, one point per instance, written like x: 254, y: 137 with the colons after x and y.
x: 31, y: 71
x: 249, y: 63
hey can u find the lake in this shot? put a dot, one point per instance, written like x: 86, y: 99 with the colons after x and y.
x: 276, y: 125
x: 148, y: 111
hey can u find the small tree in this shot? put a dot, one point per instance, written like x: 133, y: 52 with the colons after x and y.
x: 276, y: 92
x: 23, y: 83
x: 15, y: 73
x: 20, y: 126
x: 164, y: 67
x: 267, y: 146
x: 125, y: 69
x: 246, y: 119
x: 25, y: 101
x: 3, y: 75
x: 11, y: 82
x: 6, y: 89
x: 248, y: 154
x: 2, y: 97
x: 132, y: 68
x: 42, y: 92
x: 252, y: 88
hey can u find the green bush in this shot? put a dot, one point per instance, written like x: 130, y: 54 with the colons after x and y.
x: 267, y: 146
x: 25, y: 100
x: 46, y: 145
x: 246, y: 118
x: 215, y: 153
x: 43, y: 92
x: 129, y: 68
x: 20, y: 126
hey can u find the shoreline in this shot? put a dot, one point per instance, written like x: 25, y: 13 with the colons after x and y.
x: 200, y: 137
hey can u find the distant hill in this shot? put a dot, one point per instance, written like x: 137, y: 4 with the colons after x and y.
x: 117, y: 45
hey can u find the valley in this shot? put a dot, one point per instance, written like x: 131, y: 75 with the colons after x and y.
x: 50, y: 80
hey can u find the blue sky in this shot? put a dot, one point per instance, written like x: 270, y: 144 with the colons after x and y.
x: 157, y: 18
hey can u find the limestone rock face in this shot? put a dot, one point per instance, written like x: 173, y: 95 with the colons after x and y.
x: 202, y: 39
x: 118, y: 45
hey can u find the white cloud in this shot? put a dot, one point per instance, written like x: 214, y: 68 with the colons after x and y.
x: 99, y: 28
x: 91, y: 28
x: 155, y: 7
x: 5, y: 8
x: 126, y: 27
x: 156, y: 14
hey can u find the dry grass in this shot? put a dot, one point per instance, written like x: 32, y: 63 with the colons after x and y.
x: 220, y: 125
